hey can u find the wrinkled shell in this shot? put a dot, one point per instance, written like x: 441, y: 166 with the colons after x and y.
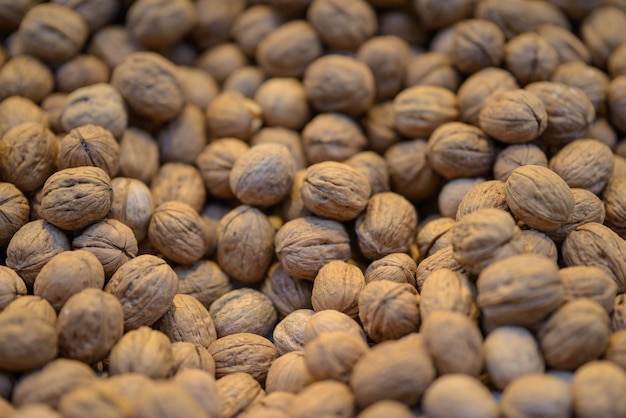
x: 14, y: 211
x: 585, y: 164
x: 589, y: 282
x: 337, y: 286
x: 243, y: 310
x: 515, y: 156
x: 142, y: 350
x: 11, y: 286
x: 596, y: 389
x: 537, y: 392
x: 447, y: 290
x: 286, y: 293
x: 420, y: 110
x: 326, y: 398
x: 395, y: 267
x: 190, y: 356
x: 89, y: 145
x: 333, y: 355
x: 237, y: 392
x: 455, y: 395
x: 187, y: 320
x: 289, y: 333
x: 288, y: 373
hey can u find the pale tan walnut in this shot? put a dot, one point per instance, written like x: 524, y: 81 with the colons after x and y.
x: 345, y: 25
x: 289, y: 49
x: 452, y: 194
x: 589, y: 79
x: 284, y: 102
x: 245, y: 80
x: 510, y: 352
x: 419, y: 110
x: 29, y: 340
x: 263, y: 175
x: 231, y: 114
x: 214, y: 21
x: 536, y: 242
x: 568, y: 46
x: 374, y: 167
x: 243, y: 352
x: 215, y: 163
x: 337, y: 286
x: 132, y: 205
x: 165, y: 399
x: 515, y: 156
x: 304, y: 245
x: 589, y: 282
x: 337, y: 83
x: 25, y: 75
x: 178, y: 232
x: 98, y: 396
x: 576, y: 333
x: 43, y: 385
x: 11, y: 287
x: 202, y: 387
x: 525, y: 195
x: 112, y: 242
x: 431, y: 68
x: 443, y: 258
x: 587, y: 208
x: 14, y: 211
x: 335, y: 190
x: 32, y: 246
x: 286, y: 293
x: 326, y: 398
x: 332, y: 136
x: 395, y: 267
x: 245, y: 233
x: 7, y: 409
x: 289, y: 333
x: 387, y: 56
x: 600, y: 33
x: 243, y: 310
x: 596, y: 390
x: 434, y: 235
x: 530, y: 58
x: 156, y: 24
x: 253, y: 24
x: 73, y: 198
x: 398, y: 370
x: 16, y: 110
x: 520, y: 290
x: 618, y: 319
x: 221, y: 60
x: 142, y: 350
x: 457, y: 150
x: 287, y: 137
x: 389, y: 310
x: 615, y: 205
x: 387, y: 226
x: 28, y: 153
x: 616, y: 350
x: 330, y: 320
x: 129, y: 385
x: 81, y: 71
x: 455, y: 395
x: 204, y: 280
x: 386, y: 408
x: 288, y: 373
x: 187, y: 320
x: 585, y: 164
x: 66, y: 274
x: 379, y: 126
x: 570, y: 112
x: 447, y: 290
x: 139, y: 157
x: 333, y: 355
x: 537, y: 392
x: 593, y: 244
x: 292, y: 207
x: 237, y: 392
x: 616, y: 98
x: 513, y: 116
x: 36, y: 306
x: 476, y: 44
x: 189, y: 355
x: 180, y: 182
x: 112, y: 44
x: 89, y: 145
x: 146, y: 286
x: 199, y: 87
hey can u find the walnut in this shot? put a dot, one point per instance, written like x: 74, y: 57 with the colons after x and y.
x: 199, y: 87
x: 183, y: 138
x: 589, y: 282
x: 289, y: 333
x: 231, y: 114
x: 376, y: 375
x: 81, y: 71
x: 589, y: 79
x: 510, y: 352
x: 16, y: 110
x: 159, y: 25
x: 616, y: 350
x: 89, y: 145
x: 386, y: 408
x: 286, y: 293
x: 202, y: 387
x: 132, y: 205
x: 331, y: 136
x: 112, y: 242
x: 434, y: 235
x: 519, y: 290
x: 98, y: 396
x: 284, y: 102
x: 453, y: 394
x: 142, y: 350
x: 25, y: 76
x: 602, y: 376
x: 333, y: 355
x: 287, y: 137
x: 243, y: 310
x: 146, y: 286
x: 447, y: 290
x: 476, y: 44
x: 419, y: 110
x: 453, y: 193
x: 32, y: 246
x: 187, y: 320
x: 191, y: 356
x: 243, y: 352
x: 568, y: 47
x: 215, y: 163
x: 534, y: 392
x: 600, y: 33
x: 515, y: 156
x: 245, y: 80
x: 73, y: 198
x: 221, y: 60
x: 288, y: 373
x: 343, y: 25
x: 379, y: 125
x: 536, y: 242
x: 14, y: 211
x: 11, y: 286
x: 139, y: 157
x: 584, y: 163
x: 433, y: 69
x: 204, y: 280
x: 237, y: 392
x: 112, y: 44
x: 442, y: 258
x: 587, y: 208
x: 395, y: 267
x: 613, y: 197
x: 254, y: 24
x: 274, y: 403
x: 180, y: 182
x: 530, y: 58
x: 330, y: 321
x: 474, y: 91
x: 387, y: 56
x: 165, y: 399
x: 576, y: 333
x: 330, y: 278
x: 36, y: 306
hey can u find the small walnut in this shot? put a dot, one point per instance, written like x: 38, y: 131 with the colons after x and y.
x: 536, y: 242
x: 148, y: 83
x: 28, y: 152
x: 215, y: 163
x: 16, y: 110
x: 589, y: 282
x: 515, y: 156
x: 395, y: 267
x: 36, y: 306
x: 286, y: 293
x: 435, y: 234
x: 289, y: 333
x: 478, y: 87
x: 452, y: 194
x: 190, y: 356
x: 519, y: 290
x: 284, y: 102
x: 333, y: 355
x: 386, y: 408
x: 158, y: 24
x: 202, y: 387
x: 568, y: 47
x: 165, y: 399
x: 187, y: 320
x: 618, y: 319
x: 139, y: 156
x: 132, y: 205
x: 142, y: 350
x: 589, y: 79
x: 457, y: 150
x: 587, y: 208
x: 146, y: 286
x: 447, y: 290
x: 387, y: 226
x: 615, y: 205
x: 25, y: 76
x: 204, y: 280
x: 98, y: 396
x: 11, y: 287
x: 337, y: 286
x: 379, y: 124
x: 254, y: 24
x: 68, y: 27
x: 304, y: 245
x: 616, y: 350
x: 289, y: 49
x: 442, y: 258
x: 388, y: 310
x: 272, y: 404
x: 112, y: 44
x: 184, y: 137
x: 32, y: 246
x: 374, y: 167
x: 29, y: 340
x: 387, y: 56
x: 331, y: 136
x: 243, y: 352
x: 596, y: 390
x: 419, y: 110
x: 375, y: 376
x: 89, y: 145
x: 287, y: 137
x: 530, y: 58
x: 323, y: 399
x: 199, y: 87
x: 537, y: 392
x: 89, y: 324
x: 180, y: 182
x: 343, y: 25
x: 511, y: 352
x: 221, y: 60
x: 288, y: 373
x: 600, y: 33
x: 81, y: 71
x: 112, y: 242
x: 457, y: 394
x: 576, y: 333
x: 243, y: 310
x: 245, y: 80
x: 545, y: 212
x: 231, y: 114
x: 431, y: 69
x: 236, y: 392
x: 337, y: 83
x: 476, y: 44
x: 14, y: 211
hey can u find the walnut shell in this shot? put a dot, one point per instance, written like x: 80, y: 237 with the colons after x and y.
x: 587, y: 208
x: 243, y: 310
x: 589, y: 282
x: 442, y: 258
x: 202, y: 387
x: 178, y: 181
x: 132, y: 205
x: 14, y: 211
x: 515, y: 156
x: 191, y: 356
x: 286, y: 293
x: 456, y: 394
x: 187, y: 320
x: 323, y: 399
x: 288, y: 373
x: 537, y: 392
x: 89, y: 145
x: 596, y: 390
x: 330, y: 320
x: 289, y: 333
x: 11, y: 286
x: 613, y: 197
x: 489, y: 194
x: 333, y: 355
x: 142, y: 350
x: 204, y: 280
x: 419, y: 110
x: 447, y: 290
x: 215, y: 163
x: 337, y: 286
x: 395, y: 267
x: 165, y: 399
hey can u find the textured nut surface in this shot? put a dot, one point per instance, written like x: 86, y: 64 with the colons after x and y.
x: 142, y: 350
x: 585, y: 164
x: 187, y: 320
x: 337, y: 286
x: 419, y: 110
x: 537, y: 392
x: 322, y: 399
x: 447, y: 290
x: 243, y: 310
x: 455, y: 394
